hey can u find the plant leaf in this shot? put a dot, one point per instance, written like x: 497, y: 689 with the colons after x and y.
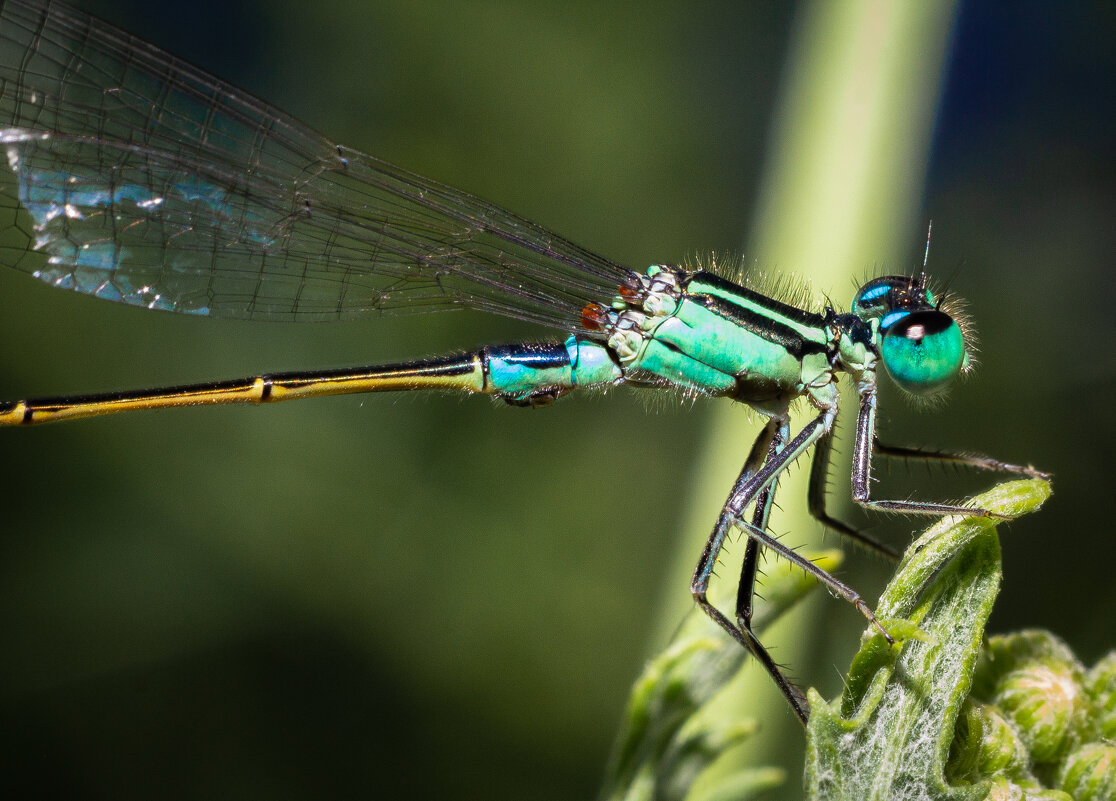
x: 887, y: 737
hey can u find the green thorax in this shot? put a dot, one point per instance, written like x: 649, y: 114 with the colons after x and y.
x: 701, y: 332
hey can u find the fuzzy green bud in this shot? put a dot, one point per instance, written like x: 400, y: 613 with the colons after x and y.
x: 1042, y: 701
x: 1100, y: 686
x: 1004, y: 790
x: 1089, y: 773
x: 1037, y: 684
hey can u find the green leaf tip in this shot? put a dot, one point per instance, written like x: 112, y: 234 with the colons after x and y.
x: 668, y: 738
x: 888, y: 736
x: 938, y: 716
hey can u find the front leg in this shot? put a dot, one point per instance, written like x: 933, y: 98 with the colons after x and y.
x: 819, y: 475
x: 867, y: 444
x: 974, y: 460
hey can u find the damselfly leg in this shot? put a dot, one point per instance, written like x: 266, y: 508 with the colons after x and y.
x: 769, y: 456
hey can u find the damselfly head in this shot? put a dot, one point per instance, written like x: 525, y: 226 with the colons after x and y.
x: 921, y: 345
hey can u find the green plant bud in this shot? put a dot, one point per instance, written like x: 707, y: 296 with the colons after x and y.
x: 1100, y: 686
x: 1042, y: 700
x: 1089, y: 773
x: 1003, y: 789
x: 1005, y: 653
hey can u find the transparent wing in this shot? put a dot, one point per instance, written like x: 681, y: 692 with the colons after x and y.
x: 152, y: 183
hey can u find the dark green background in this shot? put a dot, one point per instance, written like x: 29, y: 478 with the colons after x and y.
x: 436, y: 597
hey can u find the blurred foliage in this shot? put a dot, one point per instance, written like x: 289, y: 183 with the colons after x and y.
x: 673, y: 732
x: 434, y: 597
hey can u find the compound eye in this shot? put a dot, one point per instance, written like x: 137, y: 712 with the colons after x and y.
x: 923, y: 351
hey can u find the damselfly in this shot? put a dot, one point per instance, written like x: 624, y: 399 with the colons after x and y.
x: 151, y: 183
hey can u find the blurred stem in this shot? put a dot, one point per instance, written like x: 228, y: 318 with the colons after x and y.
x: 849, y: 148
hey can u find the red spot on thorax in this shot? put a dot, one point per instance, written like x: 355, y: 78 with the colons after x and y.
x: 594, y: 316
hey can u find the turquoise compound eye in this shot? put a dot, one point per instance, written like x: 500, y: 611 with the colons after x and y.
x: 923, y: 351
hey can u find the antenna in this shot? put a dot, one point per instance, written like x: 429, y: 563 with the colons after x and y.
x: 926, y: 254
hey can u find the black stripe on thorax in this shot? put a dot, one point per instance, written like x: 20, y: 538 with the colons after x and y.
x: 766, y: 328
x: 800, y: 316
